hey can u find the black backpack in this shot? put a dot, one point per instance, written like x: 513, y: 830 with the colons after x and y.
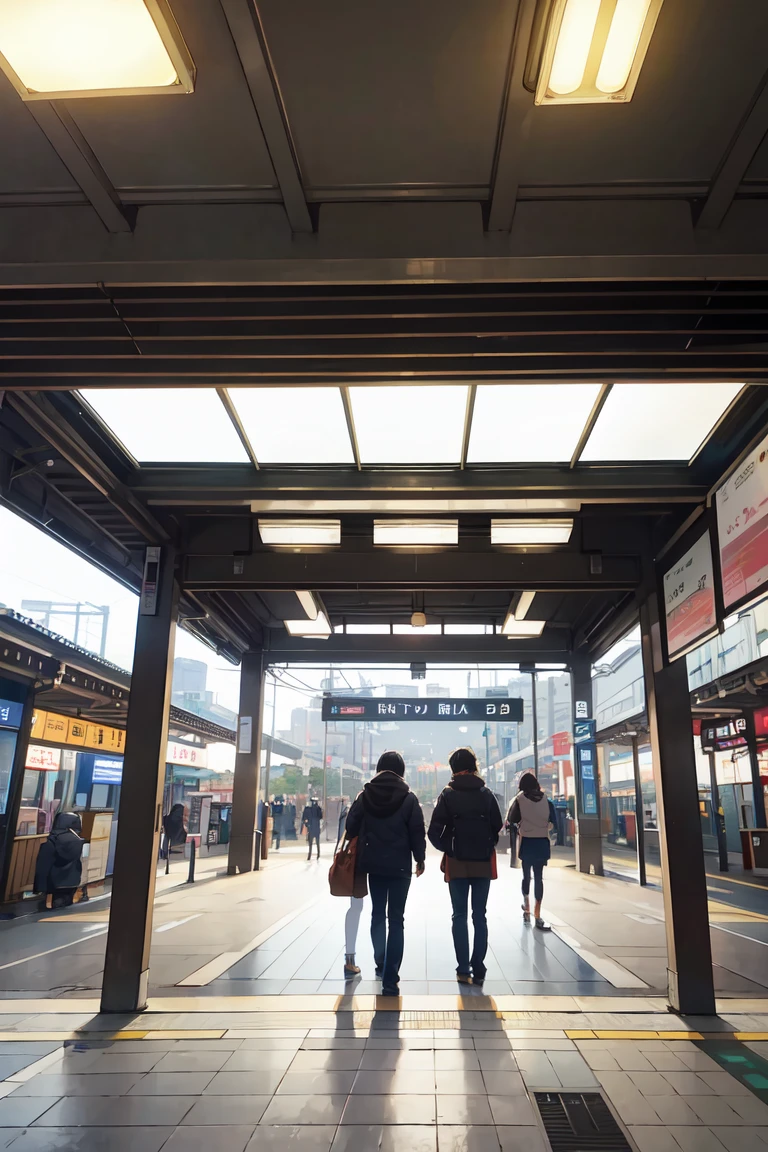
x: 470, y: 836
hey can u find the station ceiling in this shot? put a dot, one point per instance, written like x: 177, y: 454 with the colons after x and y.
x: 359, y: 272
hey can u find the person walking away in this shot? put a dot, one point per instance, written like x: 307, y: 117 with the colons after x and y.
x: 388, y: 821
x: 173, y: 827
x: 278, y: 810
x: 465, y: 825
x: 289, y: 819
x: 354, y: 912
x: 311, y: 820
x: 533, y: 813
x: 59, y: 868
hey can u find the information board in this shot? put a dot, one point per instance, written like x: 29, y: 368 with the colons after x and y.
x: 371, y: 708
x: 742, y: 527
x: 689, y: 598
x: 587, y: 759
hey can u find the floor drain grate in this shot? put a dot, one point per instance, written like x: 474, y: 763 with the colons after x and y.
x: 580, y: 1122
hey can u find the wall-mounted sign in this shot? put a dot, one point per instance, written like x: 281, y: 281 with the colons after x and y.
x: 689, y: 598
x: 41, y: 759
x: 586, y: 758
x: 10, y: 714
x: 71, y: 732
x: 186, y: 754
x: 742, y: 527
x: 369, y: 708
x: 107, y: 771
x: 581, y: 709
x: 720, y: 735
x: 583, y: 730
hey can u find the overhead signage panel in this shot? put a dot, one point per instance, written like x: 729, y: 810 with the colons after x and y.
x: 10, y: 714
x: 720, y: 735
x: 369, y: 708
x: 689, y: 599
x: 742, y: 528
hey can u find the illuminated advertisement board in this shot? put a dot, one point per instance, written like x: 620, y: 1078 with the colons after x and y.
x: 689, y: 598
x: 742, y: 528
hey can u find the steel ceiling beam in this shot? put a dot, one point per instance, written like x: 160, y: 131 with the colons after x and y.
x: 383, y: 569
x: 247, y: 31
x: 515, y: 126
x: 737, y: 159
x: 404, y: 649
x: 78, y: 157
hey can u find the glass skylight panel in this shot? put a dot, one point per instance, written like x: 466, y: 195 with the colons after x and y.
x: 410, y: 424
x: 657, y: 421
x: 294, y: 425
x: 529, y: 423
x: 169, y: 425
x: 410, y: 630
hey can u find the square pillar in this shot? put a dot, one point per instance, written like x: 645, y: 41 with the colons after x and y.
x: 589, y: 844
x: 10, y: 818
x: 126, y: 968
x: 245, y: 795
x: 686, y: 916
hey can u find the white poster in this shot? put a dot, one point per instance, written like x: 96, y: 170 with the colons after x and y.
x: 742, y: 526
x: 689, y: 598
x: 245, y: 734
x: 43, y: 759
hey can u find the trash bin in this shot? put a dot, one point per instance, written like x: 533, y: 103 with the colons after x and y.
x: 257, y: 851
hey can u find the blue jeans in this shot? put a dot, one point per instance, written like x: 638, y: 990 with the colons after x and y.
x: 460, y: 890
x: 388, y: 897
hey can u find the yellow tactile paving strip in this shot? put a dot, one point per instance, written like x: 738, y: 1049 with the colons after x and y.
x: 512, y: 1034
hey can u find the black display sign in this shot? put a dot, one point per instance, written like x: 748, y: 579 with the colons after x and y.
x: 370, y: 708
x: 721, y: 735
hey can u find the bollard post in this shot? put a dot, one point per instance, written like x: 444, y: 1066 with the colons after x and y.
x: 191, y: 876
x: 167, y: 854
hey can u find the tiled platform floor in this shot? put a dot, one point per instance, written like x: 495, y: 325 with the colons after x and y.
x: 392, y: 1083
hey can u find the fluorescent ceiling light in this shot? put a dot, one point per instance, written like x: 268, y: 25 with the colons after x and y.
x: 426, y: 504
x: 522, y: 629
x: 657, y: 421
x: 169, y: 425
x: 523, y: 604
x: 589, y: 51
x: 307, y: 601
x: 531, y: 531
x: 416, y: 532
x: 528, y: 423
x: 56, y: 49
x: 320, y: 628
x: 417, y: 424
x: 300, y: 533
x: 294, y: 425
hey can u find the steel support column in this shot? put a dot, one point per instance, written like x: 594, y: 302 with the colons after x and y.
x: 758, y: 796
x: 9, y: 821
x: 245, y: 797
x: 686, y: 916
x: 589, y: 845
x: 639, y: 813
x: 126, y: 967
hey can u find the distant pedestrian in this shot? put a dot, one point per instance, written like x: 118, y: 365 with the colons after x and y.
x: 533, y: 813
x: 59, y: 868
x: 388, y: 821
x: 278, y: 810
x: 465, y: 826
x: 173, y: 828
x: 312, y: 820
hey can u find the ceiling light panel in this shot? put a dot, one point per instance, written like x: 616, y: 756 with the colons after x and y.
x: 657, y: 421
x: 409, y: 424
x: 319, y: 627
x: 169, y: 425
x: 591, y: 51
x: 294, y: 425
x: 522, y: 629
x: 427, y: 533
x: 531, y: 532
x: 298, y: 533
x: 68, y: 48
x: 528, y: 423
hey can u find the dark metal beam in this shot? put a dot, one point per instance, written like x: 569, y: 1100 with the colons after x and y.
x: 77, y: 155
x: 434, y: 649
x: 515, y: 127
x: 597, y: 408
x: 734, y: 164
x: 50, y: 423
x: 349, y: 416
x: 234, y: 416
x: 247, y: 31
x: 237, y: 484
x: 388, y: 569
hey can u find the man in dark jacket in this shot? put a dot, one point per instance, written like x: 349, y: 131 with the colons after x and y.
x: 312, y: 819
x: 59, y: 869
x: 387, y: 819
x: 465, y: 826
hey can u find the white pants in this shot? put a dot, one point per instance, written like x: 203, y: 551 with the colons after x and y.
x: 352, y: 923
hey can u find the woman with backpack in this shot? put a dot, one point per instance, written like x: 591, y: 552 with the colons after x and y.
x: 465, y: 826
x: 533, y: 813
x: 388, y: 821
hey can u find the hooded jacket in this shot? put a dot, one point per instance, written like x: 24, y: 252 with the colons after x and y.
x: 59, y: 861
x: 387, y: 819
x: 466, y: 795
